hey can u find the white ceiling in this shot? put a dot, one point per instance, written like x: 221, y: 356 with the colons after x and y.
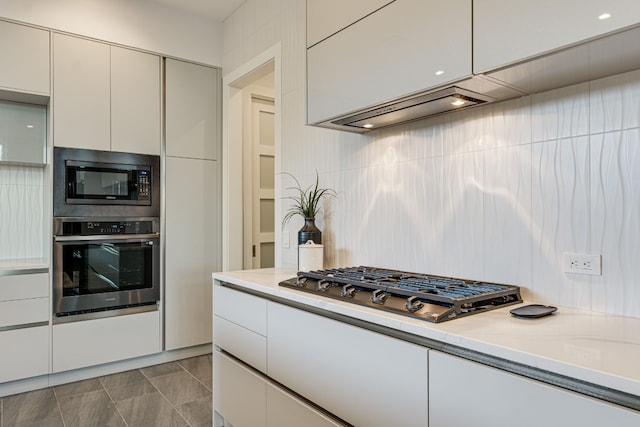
x: 215, y: 9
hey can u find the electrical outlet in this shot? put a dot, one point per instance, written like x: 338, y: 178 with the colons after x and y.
x: 285, y: 239
x: 583, y: 264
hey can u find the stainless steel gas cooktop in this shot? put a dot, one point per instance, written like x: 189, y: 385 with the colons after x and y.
x: 427, y: 297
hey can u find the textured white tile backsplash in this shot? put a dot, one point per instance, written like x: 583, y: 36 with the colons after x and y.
x: 495, y: 193
x: 22, y: 234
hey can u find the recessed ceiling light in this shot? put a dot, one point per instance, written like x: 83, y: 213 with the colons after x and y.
x: 30, y: 126
x: 439, y: 73
x: 458, y: 103
x: 604, y: 16
x: 367, y: 126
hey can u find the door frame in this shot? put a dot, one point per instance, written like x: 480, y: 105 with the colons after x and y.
x: 232, y: 158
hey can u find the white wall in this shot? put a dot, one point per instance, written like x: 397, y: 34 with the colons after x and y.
x: 496, y: 193
x: 141, y: 24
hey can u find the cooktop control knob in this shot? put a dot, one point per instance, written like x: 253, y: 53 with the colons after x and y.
x: 414, y: 304
x: 348, y: 291
x: 379, y: 296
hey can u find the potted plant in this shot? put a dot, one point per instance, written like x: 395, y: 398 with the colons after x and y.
x: 306, y: 203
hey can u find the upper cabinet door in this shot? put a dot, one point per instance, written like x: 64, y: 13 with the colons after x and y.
x: 505, y: 31
x: 326, y: 17
x: 81, y: 93
x: 191, y: 115
x: 393, y: 52
x: 25, y: 58
x: 135, y: 101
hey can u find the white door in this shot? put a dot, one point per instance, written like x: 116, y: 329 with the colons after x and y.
x: 259, y: 182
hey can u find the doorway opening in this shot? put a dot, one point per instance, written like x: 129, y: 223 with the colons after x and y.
x: 251, y: 136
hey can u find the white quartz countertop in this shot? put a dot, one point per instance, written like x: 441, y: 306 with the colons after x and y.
x: 594, y: 347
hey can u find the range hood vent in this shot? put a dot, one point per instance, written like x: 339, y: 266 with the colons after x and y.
x: 415, y: 107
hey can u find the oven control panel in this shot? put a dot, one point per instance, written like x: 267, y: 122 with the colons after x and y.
x: 102, y: 227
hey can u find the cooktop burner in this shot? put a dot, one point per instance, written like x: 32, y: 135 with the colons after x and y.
x: 428, y: 297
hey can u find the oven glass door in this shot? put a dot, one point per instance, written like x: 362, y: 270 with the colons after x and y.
x: 92, y: 268
x: 103, y: 273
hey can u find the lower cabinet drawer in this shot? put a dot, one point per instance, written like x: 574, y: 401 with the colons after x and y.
x: 93, y: 342
x: 23, y: 286
x: 244, y: 398
x: 25, y: 353
x: 24, y: 311
x: 349, y: 371
x: 240, y: 396
x: 285, y: 410
x: 241, y: 308
x: 244, y: 344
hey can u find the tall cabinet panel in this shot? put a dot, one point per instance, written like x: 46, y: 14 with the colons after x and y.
x: 193, y: 192
x: 191, y: 251
x: 25, y: 58
x: 81, y: 91
x: 192, y: 112
x: 135, y: 101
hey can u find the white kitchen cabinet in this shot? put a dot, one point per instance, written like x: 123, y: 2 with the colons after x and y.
x: 240, y: 326
x: 245, y: 398
x: 363, y: 377
x: 242, y: 394
x: 105, y: 97
x: 25, y: 353
x: 81, y: 93
x: 24, y: 300
x: 25, y: 59
x: 507, y: 399
x: 24, y: 326
x: 135, y: 101
x: 92, y: 342
x: 505, y: 31
x: 192, y: 112
x: 405, y: 47
x: 323, y: 18
x: 23, y: 133
x: 192, y: 249
x: 285, y: 410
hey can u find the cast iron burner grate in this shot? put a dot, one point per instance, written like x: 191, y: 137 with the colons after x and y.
x: 431, y: 298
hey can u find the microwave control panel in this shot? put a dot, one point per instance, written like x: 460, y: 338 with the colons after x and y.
x: 144, y: 184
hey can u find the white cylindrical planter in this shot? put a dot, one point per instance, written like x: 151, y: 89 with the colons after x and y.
x: 310, y: 257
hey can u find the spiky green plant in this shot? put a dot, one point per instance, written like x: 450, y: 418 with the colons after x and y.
x: 306, y: 202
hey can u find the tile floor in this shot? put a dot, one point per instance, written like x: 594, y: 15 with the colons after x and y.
x: 171, y: 394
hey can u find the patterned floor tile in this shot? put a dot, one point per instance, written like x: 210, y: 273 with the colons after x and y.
x: 93, y: 409
x: 198, y: 412
x: 35, y: 408
x: 199, y: 367
x: 150, y: 410
x: 76, y: 388
x: 180, y: 388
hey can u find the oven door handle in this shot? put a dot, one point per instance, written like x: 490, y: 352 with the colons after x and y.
x: 105, y: 237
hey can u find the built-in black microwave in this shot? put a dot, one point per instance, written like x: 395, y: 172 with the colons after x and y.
x: 105, y: 183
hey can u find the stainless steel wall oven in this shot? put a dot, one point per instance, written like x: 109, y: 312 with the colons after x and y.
x: 106, y: 233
